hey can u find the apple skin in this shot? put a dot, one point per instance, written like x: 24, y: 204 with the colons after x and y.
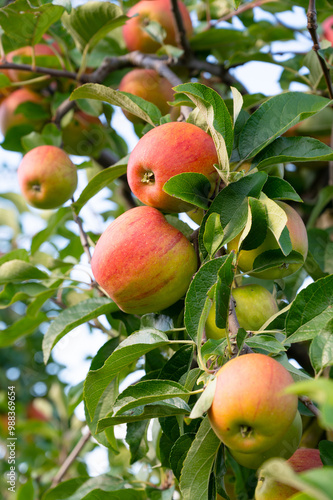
x: 149, y: 85
x: 170, y: 149
x: 159, y: 11
x: 302, y: 460
x: 250, y: 413
x: 254, y: 306
x: 299, y: 241
x: 47, y: 177
x: 142, y: 262
x: 285, y: 448
x: 83, y: 134
x: 8, y: 118
x: 328, y: 29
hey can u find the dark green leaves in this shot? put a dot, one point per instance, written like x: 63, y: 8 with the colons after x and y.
x: 191, y: 187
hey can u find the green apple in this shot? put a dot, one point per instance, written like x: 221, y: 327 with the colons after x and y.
x: 250, y: 412
x: 254, y: 306
x: 142, y: 262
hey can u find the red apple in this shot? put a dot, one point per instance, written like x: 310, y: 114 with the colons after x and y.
x: 142, y: 262
x: 299, y: 241
x: 83, y: 134
x: 302, y: 460
x: 8, y: 117
x: 47, y: 177
x: 254, y: 306
x: 39, y: 409
x: 158, y: 11
x: 165, y: 151
x: 149, y: 85
x: 285, y: 448
x: 250, y: 413
x: 328, y: 29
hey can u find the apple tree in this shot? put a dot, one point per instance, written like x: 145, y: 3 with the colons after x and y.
x: 210, y: 277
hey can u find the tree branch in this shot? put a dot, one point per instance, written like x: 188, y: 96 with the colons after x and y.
x: 180, y: 30
x: 234, y: 326
x: 310, y: 406
x: 83, y: 236
x: 242, y: 9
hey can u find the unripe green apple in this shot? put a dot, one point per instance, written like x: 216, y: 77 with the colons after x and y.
x: 47, y: 177
x: 302, y: 460
x: 149, y: 85
x: 250, y: 413
x: 8, y: 117
x: 142, y: 262
x: 299, y: 241
x: 83, y: 135
x: 158, y: 11
x: 165, y: 151
x: 285, y: 448
x: 254, y: 306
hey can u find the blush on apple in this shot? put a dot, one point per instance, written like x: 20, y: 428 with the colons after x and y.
x: 142, y: 262
x: 8, y: 117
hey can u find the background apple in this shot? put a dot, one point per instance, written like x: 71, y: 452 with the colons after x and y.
x: 285, y: 447
x: 158, y: 11
x: 47, y: 177
x: 149, y: 85
x: 142, y: 262
x: 299, y: 241
x: 83, y: 135
x: 165, y: 151
x: 254, y: 306
x: 8, y: 117
x: 250, y: 413
x: 303, y: 459
x: 328, y: 29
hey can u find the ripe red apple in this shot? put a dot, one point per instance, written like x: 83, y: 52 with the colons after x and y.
x: 285, y: 448
x: 165, y: 151
x: 299, y: 241
x: 47, y: 177
x: 302, y: 460
x: 149, y: 85
x: 142, y: 262
x: 328, y: 29
x: 83, y: 134
x: 158, y: 11
x: 250, y: 413
x: 254, y: 306
x: 8, y: 118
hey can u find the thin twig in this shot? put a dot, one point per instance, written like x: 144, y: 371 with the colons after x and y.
x: 242, y: 9
x: 234, y: 326
x: 83, y: 236
x: 70, y: 459
x: 310, y: 406
x: 181, y: 37
x: 312, y: 27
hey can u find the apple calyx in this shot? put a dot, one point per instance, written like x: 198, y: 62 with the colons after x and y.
x: 36, y: 187
x: 246, y: 431
x: 148, y: 178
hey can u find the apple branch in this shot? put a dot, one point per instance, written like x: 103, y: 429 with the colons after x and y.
x: 233, y: 327
x: 310, y: 406
x: 312, y: 28
x: 83, y: 236
x: 180, y: 31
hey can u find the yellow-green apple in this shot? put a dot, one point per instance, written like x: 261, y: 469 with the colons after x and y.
x: 285, y: 448
x: 83, y: 135
x: 254, y: 306
x: 8, y: 117
x: 250, y: 412
x: 146, y: 11
x: 196, y: 214
x: 170, y: 149
x: 328, y: 29
x: 47, y: 177
x: 299, y: 242
x: 149, y: 85
x: 302, y: 460
x: 39, y: 409
x: 142, y: 262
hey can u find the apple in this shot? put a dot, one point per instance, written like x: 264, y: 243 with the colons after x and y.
x: 299, y: 241
x: 250, y: 413
x: 328, y: 29
x: 302, y: 460
x: 149, y: 85
x: 148, y: 11
x: 39, y: 409
x: 170, y: 149
x: 8, y: 117
x: 47, y: 177
x: 254, y: 306
x: 83, y: 134
x: 142, y: 262
x: 285, y: 448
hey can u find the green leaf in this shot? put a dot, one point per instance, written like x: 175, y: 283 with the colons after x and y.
x: 13, y: 292
x: 19, y: 254
x: 50, y: 135
x: 64, y: 489
x: 179, y: 452
x: 321, y: 349
x: 57, y: 219
x: 325, y: 196
x: 292, y: 149
x: 223, y: 290
x: 21, y: 328
x: 91, y: 22
x: 129, y: 350
x: 279, y: 189
x: 98, y: 182
x: 266, y: 342
x: 196, y: 295
x: 274, y: 117
x: 26, y: 491
x: 136, y: 438
x: 73, y: 317
x: 321, y: 251
x: 205, y: 400
x: 194, y: 480
x: 18, y: 270
x: 326, y: 452
x: 178, y: 365
x: 213, y: 234
x: 134, y: 104
x: 277, y: 220
x: 311, y: 313
x: 191, y: 187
